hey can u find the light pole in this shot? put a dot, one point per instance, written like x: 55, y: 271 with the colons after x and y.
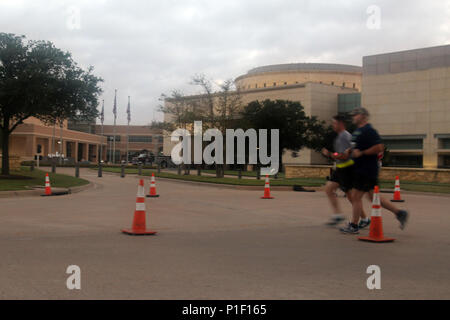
x: 114, y: 131
x: 60, y: 142
x: 128, y: 126
x: 102, y: 119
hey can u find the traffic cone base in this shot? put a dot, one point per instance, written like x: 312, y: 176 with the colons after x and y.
x: 267, y: 197
x: 139, y: 233
x: 369, y: 239
x: 397, y: 200
x: 152, y: 196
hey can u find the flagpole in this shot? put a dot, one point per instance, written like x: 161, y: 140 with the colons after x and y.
x: 114, y: 131
x: 128, y: 126
x: 102, y: 119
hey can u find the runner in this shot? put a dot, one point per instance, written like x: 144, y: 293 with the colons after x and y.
x: 366, y: 146
x: 342, y: 176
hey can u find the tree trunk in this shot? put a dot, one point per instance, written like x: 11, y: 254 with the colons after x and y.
x: 5, y: 151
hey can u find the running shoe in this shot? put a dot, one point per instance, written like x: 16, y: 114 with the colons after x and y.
x: 335, y: 220
x: 403, y: 216
x: 349, y: 229
x: 364, y: 223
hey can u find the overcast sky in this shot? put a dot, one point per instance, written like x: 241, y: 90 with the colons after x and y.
x: 146, y: 47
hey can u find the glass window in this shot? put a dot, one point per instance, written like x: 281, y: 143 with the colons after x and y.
x: 404, y: 144
x: 445, y: 143
x: 445, y: 161
x: 142, y: 139
x: 412, y: 161
x: 111, y: 138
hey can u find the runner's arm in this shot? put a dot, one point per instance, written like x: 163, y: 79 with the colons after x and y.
x: 376, y: 149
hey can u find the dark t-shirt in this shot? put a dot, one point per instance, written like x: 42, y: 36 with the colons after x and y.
x: 365, y: 138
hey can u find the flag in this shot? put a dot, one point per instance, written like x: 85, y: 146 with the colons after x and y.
x: 129, y: 111
x: 102, y: 114
x: 115, y: 106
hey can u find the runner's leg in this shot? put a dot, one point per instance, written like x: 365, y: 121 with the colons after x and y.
x: 330, y: 190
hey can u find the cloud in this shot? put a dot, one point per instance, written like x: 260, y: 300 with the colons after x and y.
x: 145, y: 48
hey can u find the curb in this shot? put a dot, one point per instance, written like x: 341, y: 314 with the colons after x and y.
x: 38, y: 191
x: 231, y: 186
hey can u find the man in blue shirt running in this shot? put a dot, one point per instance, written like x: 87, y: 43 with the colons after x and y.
x: 366, y: 147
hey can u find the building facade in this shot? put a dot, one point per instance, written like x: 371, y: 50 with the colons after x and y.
x: 408, y: 96
x: 139, y: 138
x: 52, y: 141
x: 316, y: 86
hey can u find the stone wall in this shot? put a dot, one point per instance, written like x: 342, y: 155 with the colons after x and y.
x: 405, y: 174
x: 14, y: 162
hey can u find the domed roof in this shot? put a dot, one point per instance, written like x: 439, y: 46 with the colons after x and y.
x: 308, y: 67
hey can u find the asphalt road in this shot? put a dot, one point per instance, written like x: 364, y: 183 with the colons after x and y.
x: 214, y: 243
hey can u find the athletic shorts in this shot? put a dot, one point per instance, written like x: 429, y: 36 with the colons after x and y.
x: 344, y: 177
x: 364, y: 183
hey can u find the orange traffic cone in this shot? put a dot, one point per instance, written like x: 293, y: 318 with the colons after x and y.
x: 48, y: 188
x: 397, y: 196
x: 376, y: 224
x: 153, y: 193
x: 139, y: 226
x: 267, y: 189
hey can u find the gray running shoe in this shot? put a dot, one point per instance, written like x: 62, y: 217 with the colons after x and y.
x: 349, y: 229
x: 335, y: 220
x: 364, y: 223
x: 403, y: 216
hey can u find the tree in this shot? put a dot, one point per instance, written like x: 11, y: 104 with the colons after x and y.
x: 39, y: 80
x: 216, y: 109
x: 297, y: 130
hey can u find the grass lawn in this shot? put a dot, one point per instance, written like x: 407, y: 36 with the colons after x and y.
x: 37, y: 178
x: 306, y: 182
x: 235, y: 173
x: 233, y: 181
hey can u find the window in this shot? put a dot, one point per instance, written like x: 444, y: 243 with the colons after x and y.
x: 348, y: 101
x: 285, y: 83
x: 142, y: 139
x: 265, y: 85
x: 444, y: 161
x: 160, y: 139
x: 332, y: 83
x: 111, y: 138
x: 343, y: 84
x: 403, y: 144
x: 354, y: 86
x: 412, y: 161
x: 256, y: 86
x: 274, y: 84
x: 445, y: 143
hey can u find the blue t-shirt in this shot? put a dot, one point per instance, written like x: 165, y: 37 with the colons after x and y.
x: 365, y: 138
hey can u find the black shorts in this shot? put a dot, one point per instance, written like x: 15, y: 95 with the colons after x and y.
x: 364, y: 183
x: 344, y: 177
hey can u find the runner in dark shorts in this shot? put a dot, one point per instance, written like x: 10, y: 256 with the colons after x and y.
x: 342, y: 176
x: 367, y: 145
